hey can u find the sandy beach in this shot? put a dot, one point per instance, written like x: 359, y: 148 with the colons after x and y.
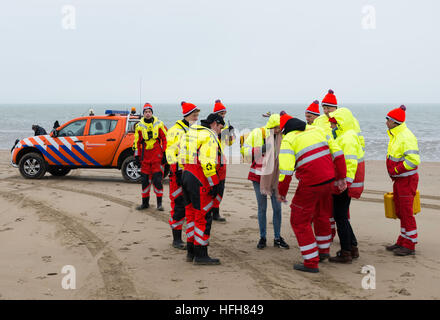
x: 88, y: 220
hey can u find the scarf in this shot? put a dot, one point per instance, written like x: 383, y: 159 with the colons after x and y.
x: 269, y: 180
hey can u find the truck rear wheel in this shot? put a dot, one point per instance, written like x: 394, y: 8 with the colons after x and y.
x: 32, y: 166
x: 58, y: 172
x: 130, y: 171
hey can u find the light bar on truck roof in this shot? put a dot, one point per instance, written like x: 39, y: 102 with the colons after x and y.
x: 116, y: 112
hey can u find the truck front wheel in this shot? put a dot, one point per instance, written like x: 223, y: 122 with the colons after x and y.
x: 32, y: 166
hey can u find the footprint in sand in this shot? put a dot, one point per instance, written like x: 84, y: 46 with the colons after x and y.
x: 124, y: 249
x: 6, y: 229
x: 19, y: 219
x: 46, y: 258
x: 407, y: 274
x: 403, y: 292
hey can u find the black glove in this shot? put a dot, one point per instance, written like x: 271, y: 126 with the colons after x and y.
x: 179, y: 178
x: 231, y: 128
x: 215, y: 190
x: 137, y: 161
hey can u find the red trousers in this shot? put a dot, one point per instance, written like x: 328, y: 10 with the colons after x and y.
x: 312, y: 204
x: 177, y: 201
x: 219, y: 197
x: 198, y: 209
x: 404, y: 190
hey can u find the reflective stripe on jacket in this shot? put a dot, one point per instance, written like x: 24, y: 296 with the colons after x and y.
x: 403, y: 152
x: 310, y: 153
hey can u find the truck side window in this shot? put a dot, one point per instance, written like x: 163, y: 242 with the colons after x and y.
x: 102, y: 126
x: 73, y: 129
x: 131, y: 125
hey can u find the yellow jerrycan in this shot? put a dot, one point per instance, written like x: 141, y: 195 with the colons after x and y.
x: 390, y: 211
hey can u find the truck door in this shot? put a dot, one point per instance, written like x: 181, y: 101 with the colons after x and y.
x: 103, y: 139
x: 68, y: 144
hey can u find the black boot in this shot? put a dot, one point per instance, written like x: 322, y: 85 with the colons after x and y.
x: 216, y: 215
x: 177, y: 240
x: 159, y: 204
x: 201, y: 256
x: 302, y: 267
x: 145, y: 204
x: 189, y: 251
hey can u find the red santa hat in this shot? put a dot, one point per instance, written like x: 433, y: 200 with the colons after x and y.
x: 397, y: 115
x: 147, y: 106
x: 219, y: 107
x: 330, y: 99
x: 314, y: 108
x: 188, y: 108
x: 283, y: 119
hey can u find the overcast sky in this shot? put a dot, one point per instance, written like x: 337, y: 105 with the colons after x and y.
x: 236, y: 50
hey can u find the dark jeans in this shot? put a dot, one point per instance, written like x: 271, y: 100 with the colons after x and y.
x: 341, y: 204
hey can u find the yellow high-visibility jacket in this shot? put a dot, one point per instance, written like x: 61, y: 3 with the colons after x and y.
x: 350, y: 143
x: 322, y: 122
x: 200, y: 147
x: 158, y: 132
x: 174, y: 136
x: 311, y: 154
x: 403, y: 152
x: 251, y: 149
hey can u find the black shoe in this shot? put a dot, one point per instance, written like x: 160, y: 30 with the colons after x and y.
x: 280, y: 243
x: 262, y: 243
x: 189, y: 251
x: 159, y: 204
x: 323, y: 257
x: 402, y: 251
x: 301, y: 267
x: 145, y: 204
x: 201, y: 256
x: 177, y: 240
x: 393, y: 247
x: 216, y: 217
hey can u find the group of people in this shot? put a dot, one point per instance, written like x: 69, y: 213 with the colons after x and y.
x: 326, y: 153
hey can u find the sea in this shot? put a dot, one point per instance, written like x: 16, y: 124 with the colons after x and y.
x: 423, y: 119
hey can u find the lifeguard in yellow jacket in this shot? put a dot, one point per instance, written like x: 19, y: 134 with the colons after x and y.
x: 403, y: 159
x: 200, y: 154
x: 149, y: 146
x: 175, y: 133
x: 344, y: 134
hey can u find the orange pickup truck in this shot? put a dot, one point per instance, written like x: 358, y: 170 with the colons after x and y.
x: 85, y: 142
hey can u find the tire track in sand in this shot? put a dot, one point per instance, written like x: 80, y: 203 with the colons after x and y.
x: 117, y: 282
x: 259, y: 277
